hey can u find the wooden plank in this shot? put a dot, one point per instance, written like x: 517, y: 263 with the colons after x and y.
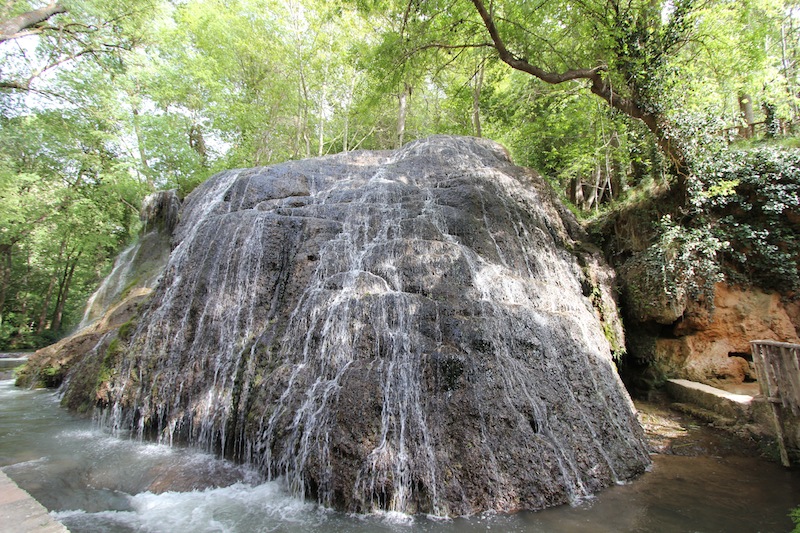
x: 758, y: 362
x: 778, y: 372
x: 792, y: 370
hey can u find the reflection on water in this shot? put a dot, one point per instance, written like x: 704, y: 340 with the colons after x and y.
x: 95, y: 483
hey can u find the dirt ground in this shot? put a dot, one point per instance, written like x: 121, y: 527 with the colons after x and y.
x: 671, y: 432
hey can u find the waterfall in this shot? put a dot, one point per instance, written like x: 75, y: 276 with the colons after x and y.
x: 111, y: 286
x: 403, y: 331
x: 140, y: 264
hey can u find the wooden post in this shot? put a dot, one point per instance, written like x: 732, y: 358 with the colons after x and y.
x: 778, y: 370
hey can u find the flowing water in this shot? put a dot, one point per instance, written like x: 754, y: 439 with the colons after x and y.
x: 93, y: 482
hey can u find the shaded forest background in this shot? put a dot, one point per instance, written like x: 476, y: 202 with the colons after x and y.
x: 677, y: 118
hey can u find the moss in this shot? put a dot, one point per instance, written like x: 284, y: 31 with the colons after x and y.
x: 127, y: 329
x: 593, y: 291
x: 618, y: 349
x: 132, y: 284
x: 110, y: 360
x: 795, y: 516
x: 22, y: 375
x: 52, y: 376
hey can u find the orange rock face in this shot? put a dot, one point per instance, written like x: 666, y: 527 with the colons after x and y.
x: 714, y: 347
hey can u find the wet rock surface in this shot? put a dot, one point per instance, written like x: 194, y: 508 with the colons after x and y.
x: 672, y: 431
x: 409, y: 330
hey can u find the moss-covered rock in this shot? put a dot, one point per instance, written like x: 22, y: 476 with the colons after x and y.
x: 86, y: 357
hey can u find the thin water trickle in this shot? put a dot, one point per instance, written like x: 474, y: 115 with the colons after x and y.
x: 110, y: 288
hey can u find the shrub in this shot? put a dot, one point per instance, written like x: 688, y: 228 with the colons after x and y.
x: 751, y: 199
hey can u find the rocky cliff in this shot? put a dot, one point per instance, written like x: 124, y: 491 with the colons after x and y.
x: 421, y: 330
x: 711, y: 343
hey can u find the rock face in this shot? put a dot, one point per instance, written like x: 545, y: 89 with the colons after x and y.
x: 409, y: 330
x: 714, y: 346
x: 140, y: 265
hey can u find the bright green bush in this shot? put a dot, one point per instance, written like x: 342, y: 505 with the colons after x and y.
x: 751, y: 199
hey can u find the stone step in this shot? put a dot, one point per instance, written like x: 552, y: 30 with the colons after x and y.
x: 711, y: 417
x: 725, y: 405
x: 20, y: 513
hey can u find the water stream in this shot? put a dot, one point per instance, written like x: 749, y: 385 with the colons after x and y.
x: 94, y: 482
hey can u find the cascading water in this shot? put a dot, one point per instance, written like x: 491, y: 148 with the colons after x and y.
x: 140, y: 264
x: 405, y: 330
x: 111, y: 287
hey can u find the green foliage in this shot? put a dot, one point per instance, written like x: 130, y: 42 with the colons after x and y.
x: 87, y: 32
x: 681, y: 264
x: 565, y: 133
x: 110, y: 360
x: 753, y: 196
x: 126, y: 330
x: 65, y: 209
x: 157, y: 94
x: 794, y: 514
x: 51, y: 376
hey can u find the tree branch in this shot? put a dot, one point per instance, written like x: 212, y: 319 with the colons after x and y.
x: 21, y: 25
x: 54, y: 64
x: 599, y: 87
x: 14, y: 86
x: 521, y: 64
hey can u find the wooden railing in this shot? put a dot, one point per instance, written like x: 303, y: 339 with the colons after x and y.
x: 778, y: 371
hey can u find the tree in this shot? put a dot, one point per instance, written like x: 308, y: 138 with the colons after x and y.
x: 67, y: 204
x: 28, y: 22
x: 35, y: 41
x: 620, y: 51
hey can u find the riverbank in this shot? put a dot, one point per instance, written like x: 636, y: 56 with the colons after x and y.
x: 9, y: 361
x: 670, y: 431
x: 20, y: 513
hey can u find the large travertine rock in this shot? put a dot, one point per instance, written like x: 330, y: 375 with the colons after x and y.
x: 420, y: 330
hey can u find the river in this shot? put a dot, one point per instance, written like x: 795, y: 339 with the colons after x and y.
x: 94, y: 482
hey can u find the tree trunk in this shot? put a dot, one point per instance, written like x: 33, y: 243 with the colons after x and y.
x: 198, y: 143
x: 63, y: 292
x: 590, y: 199
x: 346, y: 132
x: 137, y: 130
x: 788, y: 64
x: 348, y: 105
x: 575, y: 192
x: 23, y: 301
x: 321, y: 119
x: 402, y: 113
x: 476, y: 101
x: 746, y: 109
x: 5, y: 279
x: 615, y: 170
x: 302, y: 132
x: 42, y: 323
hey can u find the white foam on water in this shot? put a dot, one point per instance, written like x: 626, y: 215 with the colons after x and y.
x: 237, y: 508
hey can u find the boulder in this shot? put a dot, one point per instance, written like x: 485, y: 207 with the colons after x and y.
x: 423, y: 330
